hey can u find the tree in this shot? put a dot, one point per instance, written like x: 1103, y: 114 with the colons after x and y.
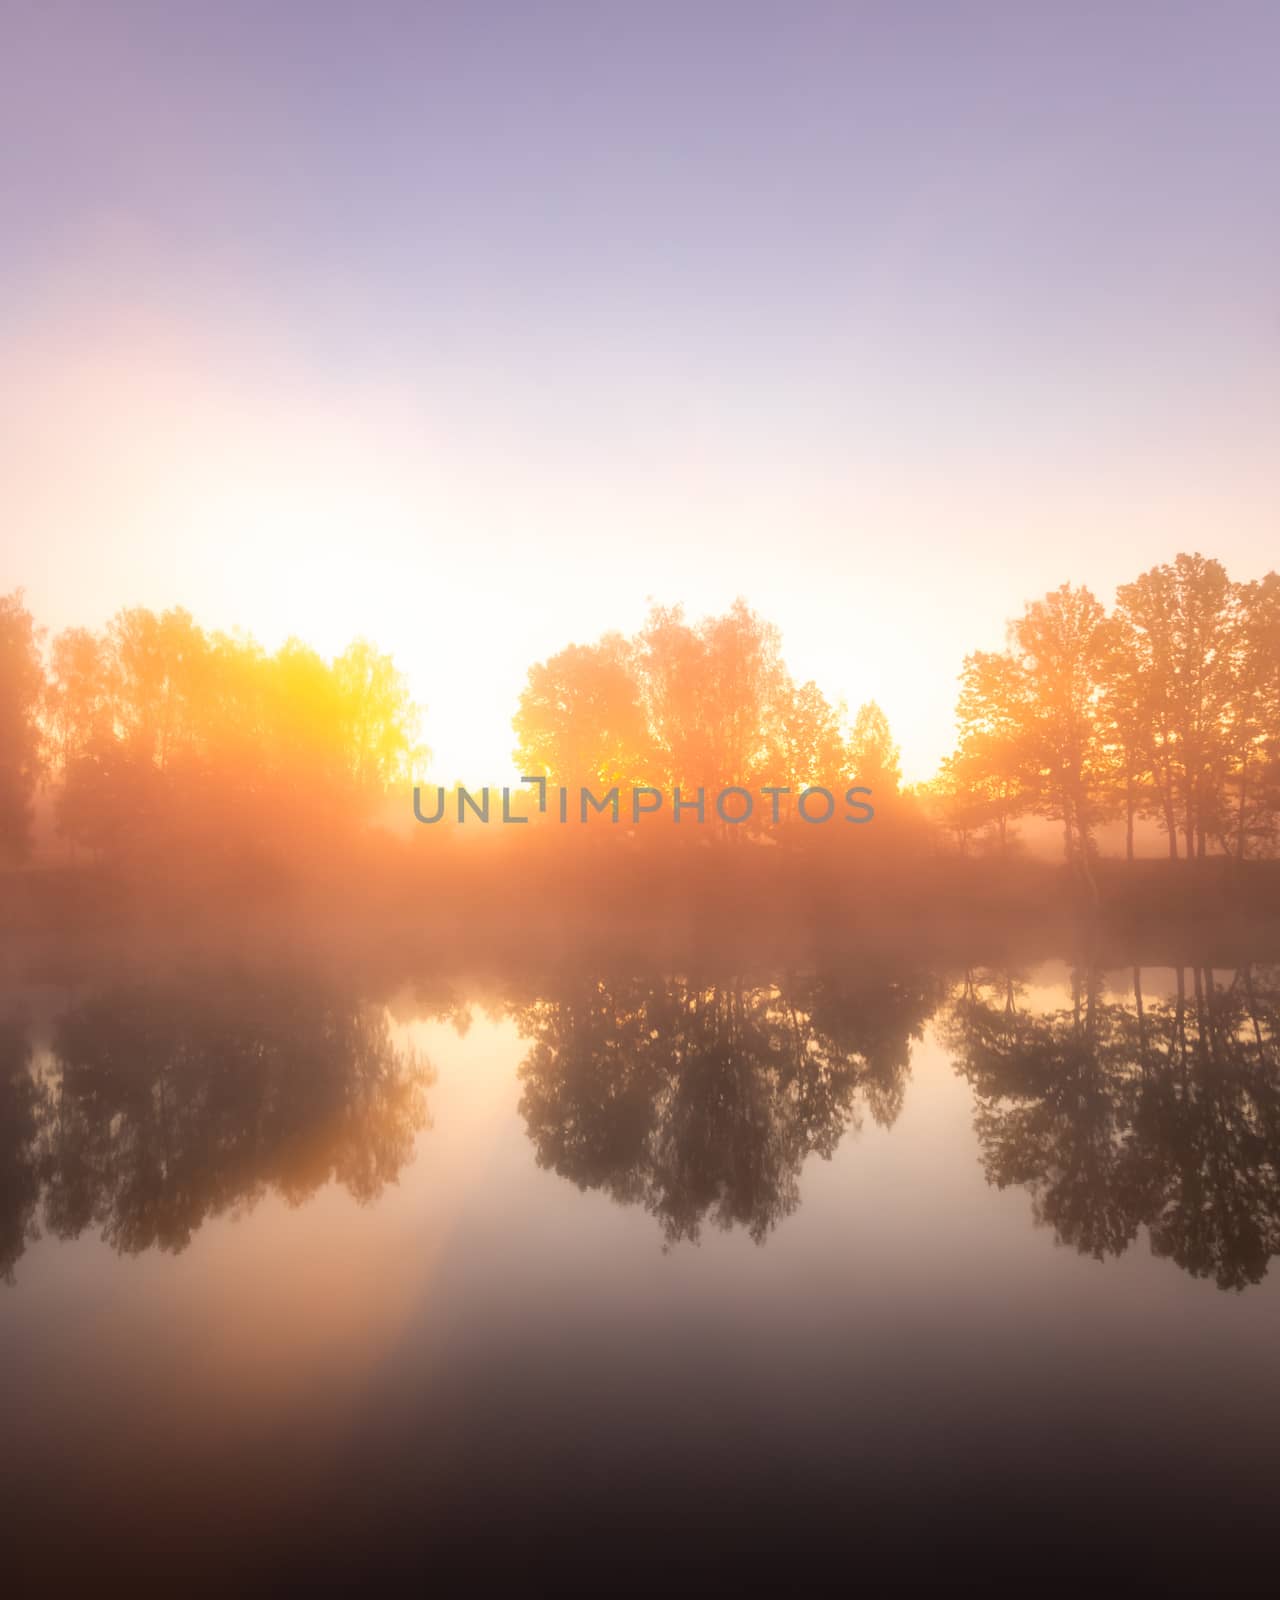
x: 813, y: 746
x: 1180, y: 628
x: 21, y: 692
x: 957, y: 802
x: 684, y: 705
x: 1167, y: 707
x: 170, y: 741
x: 873, y: 756
x: 718, y: 696
x: 1028, y: 724
x: 159, y: 681
x: 378, y: 720
x: 77, y: 704
x: 1060, y: 646
x: 1255, y: 736
x: 991, y: 766
x: 581, y: 720
x: 1126, y: 714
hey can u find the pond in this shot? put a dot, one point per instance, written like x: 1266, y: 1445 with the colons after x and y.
x: 600, y: 1271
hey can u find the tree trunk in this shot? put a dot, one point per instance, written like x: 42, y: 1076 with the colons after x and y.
x: 1170, y: 824
x: 1189, y: 825
x: 1241, y: 836
x: 1082, y: 865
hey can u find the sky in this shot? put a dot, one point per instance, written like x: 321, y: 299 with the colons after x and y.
x: 473, y: 328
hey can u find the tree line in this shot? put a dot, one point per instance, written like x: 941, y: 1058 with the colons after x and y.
x: 153, y: 733
x: 696, y: 705
x: 1166, y: 708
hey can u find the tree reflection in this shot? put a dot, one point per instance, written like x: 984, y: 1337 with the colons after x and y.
x: 165, y: 1104
x: 701, y: 1101
x: 147, y: 1109
x: 20, y: 1119
x: 1123, y: 1114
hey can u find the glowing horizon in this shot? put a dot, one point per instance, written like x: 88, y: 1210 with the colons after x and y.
x: 912, y: 375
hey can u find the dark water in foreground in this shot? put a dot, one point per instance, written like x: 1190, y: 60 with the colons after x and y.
x: 599, y: 1276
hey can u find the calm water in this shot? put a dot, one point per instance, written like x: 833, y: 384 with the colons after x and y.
x: 906, y: 1266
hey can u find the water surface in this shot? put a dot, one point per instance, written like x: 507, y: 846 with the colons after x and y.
x: 308, y: 1270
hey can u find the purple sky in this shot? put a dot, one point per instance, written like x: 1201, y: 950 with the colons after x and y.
x: 470, y: 326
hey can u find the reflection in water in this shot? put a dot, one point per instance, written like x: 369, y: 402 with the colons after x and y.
x: 162, y: 1105
x: 702, y: 1102
x: 155, y: 1107
x: 21, y: 1107
x: 1123, y: 1114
